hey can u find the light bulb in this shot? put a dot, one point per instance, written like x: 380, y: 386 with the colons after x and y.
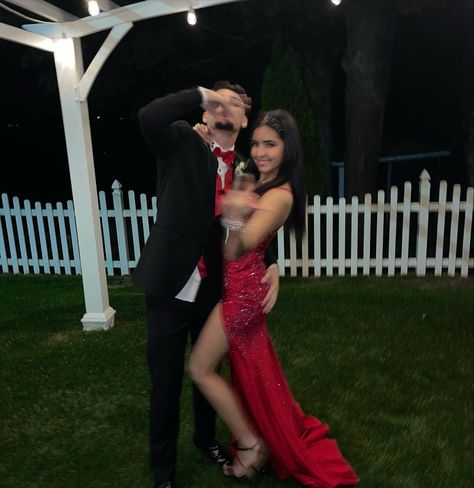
x: 191, y: 17
x: 93, y: 7
x: 336, y: 2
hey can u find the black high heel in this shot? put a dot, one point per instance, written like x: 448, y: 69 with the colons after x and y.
x: 255, y: 467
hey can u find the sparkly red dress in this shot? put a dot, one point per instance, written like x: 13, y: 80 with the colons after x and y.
x: 298, y: 443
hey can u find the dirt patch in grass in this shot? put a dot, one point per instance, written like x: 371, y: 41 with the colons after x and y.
x: 119, y: 281
x: 58, y: 338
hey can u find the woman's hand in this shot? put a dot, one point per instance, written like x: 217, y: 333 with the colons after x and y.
x: 214, y: 99
x: 238, y: 205
x: 272, y: 277
x: 203, y: 132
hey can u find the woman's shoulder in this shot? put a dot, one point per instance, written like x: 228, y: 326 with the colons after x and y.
x: 285, y: 186
x: 276, y: 194
x: 276, y: 190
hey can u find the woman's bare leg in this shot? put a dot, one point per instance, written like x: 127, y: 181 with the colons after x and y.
x: 208, y: 351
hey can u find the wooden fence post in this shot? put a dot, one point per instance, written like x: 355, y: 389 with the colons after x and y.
x: 405, y: 228
x: 453, y: 234
x: 329, y: 236
x: 379, y: 233
x: 31, y: 236
x: 467, y: 232
x: 423, y: 214
x: 367, y: 229
x: 354, y: 234
x: 3, y: 250
x: 74, y: 240
x: 440, y: 226
x: 42, y: 236
x: 341, y: 254
x: 120, y: 225
x: 317, y: 234
x: 392, y: 233
x: 10, y: 234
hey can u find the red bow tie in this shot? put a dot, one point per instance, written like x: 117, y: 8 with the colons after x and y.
x: 227, y: 156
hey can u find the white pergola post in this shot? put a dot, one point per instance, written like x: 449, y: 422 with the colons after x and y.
x: 62, y: 37
x: 69, y: 71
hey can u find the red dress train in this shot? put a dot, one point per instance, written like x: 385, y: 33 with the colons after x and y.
x: 298, y: 443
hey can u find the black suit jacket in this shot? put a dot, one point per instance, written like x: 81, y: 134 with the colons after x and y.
x: 185, y: 227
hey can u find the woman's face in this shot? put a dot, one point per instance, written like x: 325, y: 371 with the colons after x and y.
x: 267, y: 149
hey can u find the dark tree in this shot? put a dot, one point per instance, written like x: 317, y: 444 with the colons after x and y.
x: 315, y: 30
x: 370, y: 26
x: 283, y: 87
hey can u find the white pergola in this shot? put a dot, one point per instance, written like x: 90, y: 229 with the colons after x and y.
x: 61, y: 35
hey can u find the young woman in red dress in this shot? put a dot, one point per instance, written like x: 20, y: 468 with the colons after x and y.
x: 266, y: 422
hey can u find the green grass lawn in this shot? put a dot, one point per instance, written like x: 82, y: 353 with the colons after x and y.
x: 386, y: 362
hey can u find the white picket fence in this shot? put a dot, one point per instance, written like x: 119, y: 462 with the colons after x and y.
x: 353, y: 238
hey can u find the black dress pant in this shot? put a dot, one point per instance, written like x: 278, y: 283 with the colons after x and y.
x: 170, y: 323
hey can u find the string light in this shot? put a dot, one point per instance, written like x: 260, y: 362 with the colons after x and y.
x: 336, y: 2
x: 93, y: 7
x: 64, y: 52
x: 191, y: 17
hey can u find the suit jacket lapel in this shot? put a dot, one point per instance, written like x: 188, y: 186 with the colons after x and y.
x: 212, y: 175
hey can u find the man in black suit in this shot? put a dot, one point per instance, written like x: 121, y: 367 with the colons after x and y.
x: 180, y: 267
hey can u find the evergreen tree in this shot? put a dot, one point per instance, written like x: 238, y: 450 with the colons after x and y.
x: 283, y: 87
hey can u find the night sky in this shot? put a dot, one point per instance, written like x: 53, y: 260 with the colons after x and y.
x: 428, y: 71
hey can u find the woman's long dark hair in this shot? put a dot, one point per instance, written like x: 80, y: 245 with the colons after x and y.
x: 292, y: 168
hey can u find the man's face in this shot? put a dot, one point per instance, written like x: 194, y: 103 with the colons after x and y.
x: 229, y: 118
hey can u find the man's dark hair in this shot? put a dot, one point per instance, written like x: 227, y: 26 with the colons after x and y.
x: 240, y: 90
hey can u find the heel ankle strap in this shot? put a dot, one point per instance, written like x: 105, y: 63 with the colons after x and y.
x: 247, y: 448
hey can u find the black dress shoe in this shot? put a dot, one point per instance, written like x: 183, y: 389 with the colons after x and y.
x: 165, y: 484
x: 217, y: 454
